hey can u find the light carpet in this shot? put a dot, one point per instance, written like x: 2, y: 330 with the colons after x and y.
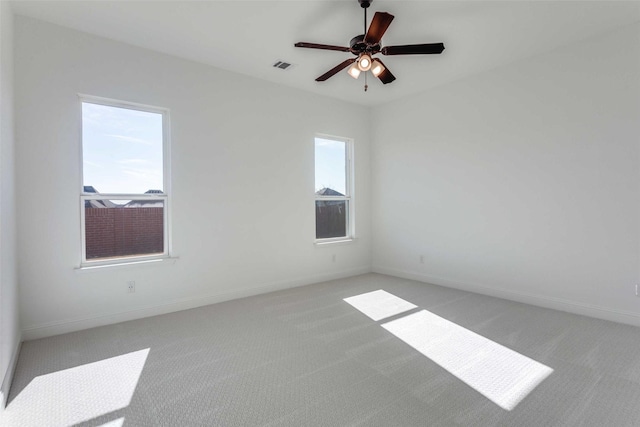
x: 305, y: 357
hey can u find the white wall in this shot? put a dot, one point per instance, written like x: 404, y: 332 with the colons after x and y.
x: 522, y: 182
x: 242, y: 181
x: 9, y: 325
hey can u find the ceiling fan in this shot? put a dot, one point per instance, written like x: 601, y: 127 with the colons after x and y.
x: 366, y: 45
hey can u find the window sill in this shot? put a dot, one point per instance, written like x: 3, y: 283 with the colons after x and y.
x: 127, y: 264
x: 327, y: 242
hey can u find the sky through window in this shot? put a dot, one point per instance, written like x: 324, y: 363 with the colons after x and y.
x: 331, y: 164
x: 122, y: 149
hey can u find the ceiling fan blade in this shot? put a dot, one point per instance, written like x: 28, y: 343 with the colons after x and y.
x: 386, y: 76
x: 336, y: 69
x: 413, y: 49
x: 321, y: 46
x: 379, y: 25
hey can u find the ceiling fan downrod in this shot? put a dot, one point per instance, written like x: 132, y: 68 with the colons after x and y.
x: 365, y: 21
x: 365, y: 5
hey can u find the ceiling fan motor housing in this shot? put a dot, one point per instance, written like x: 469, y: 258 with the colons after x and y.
x: 358, y: 45
x: 364, y: 3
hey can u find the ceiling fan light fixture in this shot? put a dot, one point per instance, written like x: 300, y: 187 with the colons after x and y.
x: 354, y: 71
x: 364, y: 62
x: 377, y: 68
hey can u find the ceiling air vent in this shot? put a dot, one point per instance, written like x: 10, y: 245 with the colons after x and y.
x: 282, y: 65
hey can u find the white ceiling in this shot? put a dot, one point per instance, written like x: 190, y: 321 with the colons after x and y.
x: 249, y: 36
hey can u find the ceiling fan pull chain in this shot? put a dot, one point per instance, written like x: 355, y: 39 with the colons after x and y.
x: 366, y: 86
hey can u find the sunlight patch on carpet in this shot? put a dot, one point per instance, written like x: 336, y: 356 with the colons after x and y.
x: 497, y: 372
x: 78, y: 394
x: 115, y: 423
x: 379, y: 304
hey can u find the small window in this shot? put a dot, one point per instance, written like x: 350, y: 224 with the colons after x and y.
x: 333, y: 192
x: 124, y: 196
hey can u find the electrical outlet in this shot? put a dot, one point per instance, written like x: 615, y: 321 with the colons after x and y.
x: 131, y: 286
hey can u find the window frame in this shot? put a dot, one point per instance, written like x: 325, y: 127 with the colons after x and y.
x: 164, y: 197
x: 349, y: 190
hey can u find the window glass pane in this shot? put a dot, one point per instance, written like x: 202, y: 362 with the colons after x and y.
x: 122, y: 149
x: 331, y: 218
x: 118, y: 228
x: 331, y: 167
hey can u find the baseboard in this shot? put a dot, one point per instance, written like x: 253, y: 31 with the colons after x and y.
x: 77, y: 324
x: 598, y: 312
x: 8, y: 376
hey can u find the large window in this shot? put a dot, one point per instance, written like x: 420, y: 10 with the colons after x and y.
x: 333, y: 192
x: 124, y: 196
